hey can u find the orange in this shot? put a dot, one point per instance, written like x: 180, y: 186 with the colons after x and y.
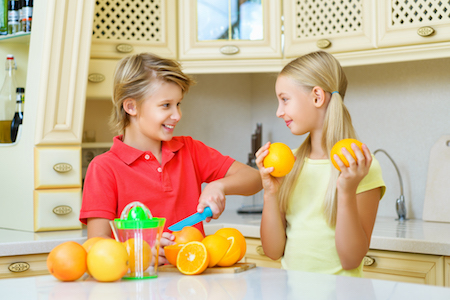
x: 171, y: 253
x: 232, y: 255
x: 217, y: 246
x: 107, y: 260
x: 337, y: 149
x: 193, y: 258
x: 143, y: 252
x: 281, y: 158
x: 67, y: 261
x: 188, y: 234
x: 87, y: 245
x: 238, y: 241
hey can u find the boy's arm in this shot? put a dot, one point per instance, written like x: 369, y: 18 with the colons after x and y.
x: 98, y: 227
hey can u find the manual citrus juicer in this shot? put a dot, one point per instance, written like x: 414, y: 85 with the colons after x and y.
x: 140, y: 233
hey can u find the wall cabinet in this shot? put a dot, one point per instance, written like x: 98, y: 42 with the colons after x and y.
x: 23, y: 265
x: 122, y: 28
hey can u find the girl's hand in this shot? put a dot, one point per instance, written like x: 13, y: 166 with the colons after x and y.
x: 213, y: 195
x: 352, y: 175
x: 167, y: 239
x: 270, y: 184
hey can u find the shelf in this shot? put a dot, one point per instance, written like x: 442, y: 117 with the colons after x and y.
x: 96, y: 145
x: 20, y: 38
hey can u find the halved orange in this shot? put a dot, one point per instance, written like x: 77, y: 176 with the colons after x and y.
x: 232, y: 255
x: 193, y: 258
x: 171, y: 253
x: 217, y: 246
x: 239, y: 239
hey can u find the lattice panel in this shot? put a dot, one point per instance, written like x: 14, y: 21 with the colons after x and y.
x: 407, y: 12
x: 137, y: 20
x: 325, y: 17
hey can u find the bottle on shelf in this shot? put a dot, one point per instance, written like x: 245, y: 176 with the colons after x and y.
x: 18, y: 115
x: 13, y: 17
x: 7, y: 99
x: 3, y: 17
x: 27, y: 15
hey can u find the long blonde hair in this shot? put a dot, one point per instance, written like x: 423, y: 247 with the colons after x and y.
x: 323, y: 70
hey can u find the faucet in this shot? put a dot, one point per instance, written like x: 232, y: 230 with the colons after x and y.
x: 400, y: 203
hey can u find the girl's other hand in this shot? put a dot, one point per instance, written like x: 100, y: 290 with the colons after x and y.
x: 213, y: 195
x: 167, y: 239
x: 352, y: 175
x: 270, y: 184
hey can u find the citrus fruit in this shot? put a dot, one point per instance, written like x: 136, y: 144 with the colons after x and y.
x: 232, y: 255
x: 87, y: 245
x: 281, y: 158
x: 107, y: 260
x: 337, y: 149
x: 239, y: 239
x: 193, y: 258
x: 171, y: 253
x: 67, y: 261
x: 138, y: 250
x: 217, y: 246
x: 188, y: 234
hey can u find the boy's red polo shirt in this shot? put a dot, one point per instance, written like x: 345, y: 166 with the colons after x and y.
x: 170, y: 190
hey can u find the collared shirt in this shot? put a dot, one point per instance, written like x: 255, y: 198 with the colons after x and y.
x: 170, y: 190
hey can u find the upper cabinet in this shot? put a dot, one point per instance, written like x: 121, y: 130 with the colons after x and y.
x: 122, y: 28
x: 413, y: 22
x: 229, y: 29
x: 337, y: 26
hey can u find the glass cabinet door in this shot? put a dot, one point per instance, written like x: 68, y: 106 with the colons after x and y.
x: 229, y: 29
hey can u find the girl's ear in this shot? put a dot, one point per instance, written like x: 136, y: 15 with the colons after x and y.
x: 129, y: 105
x: 319, y: 96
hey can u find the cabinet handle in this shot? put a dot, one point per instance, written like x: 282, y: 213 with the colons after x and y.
x: 96, y: 77
x: 229, y: 50
x: 18, y: 267
x: 62, y: 210
x: 260, y: 251
x: 368, y: 261
x: 425, y: 31
x: 62, y: 167
x: 124, y: 48
x: 323, y: 44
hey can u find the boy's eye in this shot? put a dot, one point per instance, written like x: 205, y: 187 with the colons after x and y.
x: 166, y: 105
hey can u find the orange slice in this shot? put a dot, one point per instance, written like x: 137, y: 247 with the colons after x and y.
x: 232, y: 255
x: 238, y: 238
x: 171, y: 253
x: 193, y: 258
x: 217, y: 246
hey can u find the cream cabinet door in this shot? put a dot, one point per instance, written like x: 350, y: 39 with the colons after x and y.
x: 23, y: 265
x: 100, y: 79
x: 337, y: 26
x: 126, y: 27
x: 225, y: 29
x: 413, y: 22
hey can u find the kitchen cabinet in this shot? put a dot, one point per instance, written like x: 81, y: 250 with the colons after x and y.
x: 23, y: 265
x: 337, y: 26
x: 57, y: 68
x: 122, y: 28
x: 229, y: 30
x: 404, y: 267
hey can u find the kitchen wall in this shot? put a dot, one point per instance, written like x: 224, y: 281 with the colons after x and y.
x: 400, y: 107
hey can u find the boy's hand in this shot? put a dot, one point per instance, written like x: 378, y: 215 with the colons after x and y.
x: 213, y: 195
x: 167, y: 239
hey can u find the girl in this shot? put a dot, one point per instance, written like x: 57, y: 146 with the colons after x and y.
x: 317, y: 218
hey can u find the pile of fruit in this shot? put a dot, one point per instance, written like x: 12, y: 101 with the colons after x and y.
x: 193, y: 253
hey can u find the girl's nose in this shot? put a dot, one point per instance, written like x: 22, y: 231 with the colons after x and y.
x: 280, y: 112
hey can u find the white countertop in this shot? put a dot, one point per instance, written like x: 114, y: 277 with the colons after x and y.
x: 415, y: 236
x: 258, y: 283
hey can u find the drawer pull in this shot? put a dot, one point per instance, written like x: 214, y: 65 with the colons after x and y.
x: 323, y: 44
x: 62, y: 167
x: 18, y: 267
x: 62, y: 210
x: 260, y: 251
x: 124, y: 48
x: 368, y: 261
x: 96, y: 77
x: 425, y: 31
x: 229, y: 50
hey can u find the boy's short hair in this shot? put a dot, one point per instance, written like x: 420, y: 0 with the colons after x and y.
x: 137, y: 77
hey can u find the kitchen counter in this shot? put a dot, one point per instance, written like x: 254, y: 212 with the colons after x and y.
x: 258, y: 283
x: 415, y: 236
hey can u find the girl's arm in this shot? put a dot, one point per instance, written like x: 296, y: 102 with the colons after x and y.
x: 273, y: 222
x: 356, y: 213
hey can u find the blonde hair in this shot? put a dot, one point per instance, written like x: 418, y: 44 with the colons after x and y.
x: 137, y: 77
x: 323, y: 70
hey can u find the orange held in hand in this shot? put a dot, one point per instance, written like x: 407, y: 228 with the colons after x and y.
x: 67, y: 261
x: 193, y: 258
x: 281, y: 158
x: 188, y: 234
x: 337, y: 149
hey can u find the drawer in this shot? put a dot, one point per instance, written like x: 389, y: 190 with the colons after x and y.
x: 100, y: 79
x: 57, y: 209
x: 23, y: 265
x: 57, y: 167
x: 255, y: 254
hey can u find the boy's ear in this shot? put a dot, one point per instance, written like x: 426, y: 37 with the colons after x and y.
x: 129, y: 105
x: 319, y: 96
